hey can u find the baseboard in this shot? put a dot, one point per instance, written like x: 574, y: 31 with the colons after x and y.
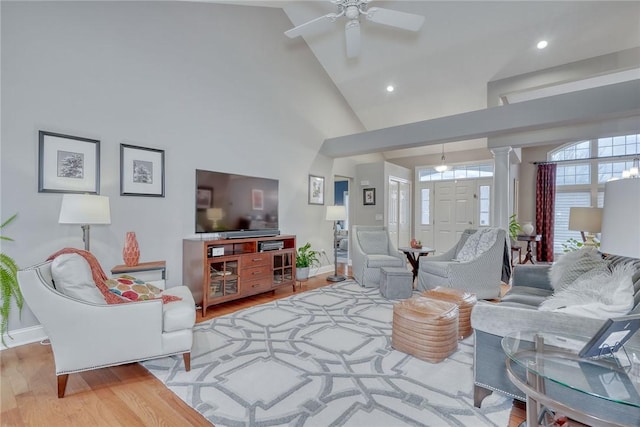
x: 24, y: 336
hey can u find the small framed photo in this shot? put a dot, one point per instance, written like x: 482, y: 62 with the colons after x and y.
x: 204, y: 197
x: 316, y: 190
x: 68, y: 164
x: 257, y: 200
x: 141, y: 171
x: 611, y: 336
x: 369, y: 196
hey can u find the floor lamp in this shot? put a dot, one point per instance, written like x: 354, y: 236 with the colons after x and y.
x: 84, y: 209
x: 335, y: 214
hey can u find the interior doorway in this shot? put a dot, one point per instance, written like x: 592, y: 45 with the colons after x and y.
x: 399, y: 211
x: 341, y: 198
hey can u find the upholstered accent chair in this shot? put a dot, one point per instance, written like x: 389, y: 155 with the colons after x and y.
x: 475, y: 267
x: 88, y: 335
x: 372, y: 250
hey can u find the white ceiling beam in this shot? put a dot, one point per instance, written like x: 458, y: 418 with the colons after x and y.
x: 601, y: 104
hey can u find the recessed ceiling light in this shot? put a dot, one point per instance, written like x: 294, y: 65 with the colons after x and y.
x: 542, y: 44
x: 390, y: 88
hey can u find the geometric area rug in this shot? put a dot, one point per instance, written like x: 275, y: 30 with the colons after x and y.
x: 322, y: 358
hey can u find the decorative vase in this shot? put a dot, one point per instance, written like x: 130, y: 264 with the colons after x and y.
x: 527, y: 228
x: 131, y: 250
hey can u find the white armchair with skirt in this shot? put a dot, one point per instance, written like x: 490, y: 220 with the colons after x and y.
x: 372, y: 250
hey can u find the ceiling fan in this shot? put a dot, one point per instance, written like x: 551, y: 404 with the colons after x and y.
x: 352, y: 10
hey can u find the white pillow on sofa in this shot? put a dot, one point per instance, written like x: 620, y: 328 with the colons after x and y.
x: 572, y: 265
x: 72, y: 276
x: 601, y: 296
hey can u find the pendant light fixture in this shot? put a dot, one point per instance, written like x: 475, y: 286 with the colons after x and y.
x: 442, y: 167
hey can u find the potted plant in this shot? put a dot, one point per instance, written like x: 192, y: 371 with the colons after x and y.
x: 305, y: 259
x: 9, y: 284
x: 514, y: 228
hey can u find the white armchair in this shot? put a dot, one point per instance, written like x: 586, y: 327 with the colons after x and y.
x: 86, y: 335
x: 372, y: 250
x: 479, y: 272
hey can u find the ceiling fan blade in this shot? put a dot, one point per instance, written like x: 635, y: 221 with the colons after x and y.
x: 312, y: 26
x: 352, y: 32
x: 394, y: 18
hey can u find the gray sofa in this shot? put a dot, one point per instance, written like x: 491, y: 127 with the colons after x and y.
x: 517, y: 311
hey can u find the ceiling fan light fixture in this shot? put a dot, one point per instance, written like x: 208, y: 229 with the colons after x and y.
x: 352, y: 10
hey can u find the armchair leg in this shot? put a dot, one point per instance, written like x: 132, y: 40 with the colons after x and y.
x: 479, y: 393
x: 62, y: 384
x: 187, y: 361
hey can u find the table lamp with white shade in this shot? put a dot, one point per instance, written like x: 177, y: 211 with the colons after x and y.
x: 588, y: 221
x: 621, y: 218
x: 335, y: 214
x: 214, y: 215
x: 84, y: 209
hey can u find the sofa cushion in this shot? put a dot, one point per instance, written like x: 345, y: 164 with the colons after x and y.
x: 374, y: 242
x: 574, y: 264
x: 181, y: 314
x: 527, y: 295
x: 72, y: 277
x: 375, y: 261
x: 478, y: 243
x: 600, y: 296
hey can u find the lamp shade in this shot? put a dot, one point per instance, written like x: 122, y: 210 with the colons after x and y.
x: 585, y: 219
x: 620, y: 224
x: 215, y: 214
x: 84, y: 209
x: 336, y: 213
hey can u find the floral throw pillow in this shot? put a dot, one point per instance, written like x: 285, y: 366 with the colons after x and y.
x: 133, y: 289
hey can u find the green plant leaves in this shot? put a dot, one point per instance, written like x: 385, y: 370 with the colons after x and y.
x: 9, y: 288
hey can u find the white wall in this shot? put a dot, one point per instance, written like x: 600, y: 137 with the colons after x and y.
x: 215, y: 86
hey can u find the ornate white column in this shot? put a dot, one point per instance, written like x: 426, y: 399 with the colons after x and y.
x: 501, y: 187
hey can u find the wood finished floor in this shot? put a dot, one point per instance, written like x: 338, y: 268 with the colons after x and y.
x: 120, y: 396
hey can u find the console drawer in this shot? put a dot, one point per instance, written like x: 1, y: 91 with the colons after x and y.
x: 261, y: 272
x: 256, y: 286
x: 254, y: 260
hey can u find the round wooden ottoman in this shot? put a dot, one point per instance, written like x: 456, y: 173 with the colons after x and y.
x: 425, y: 328
x: 465, y: 301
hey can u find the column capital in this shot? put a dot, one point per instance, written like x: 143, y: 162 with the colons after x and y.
x: 500, y: 150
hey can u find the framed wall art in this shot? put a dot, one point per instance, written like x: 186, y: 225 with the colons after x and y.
x: 204, y: 197
x: 369, y: 196
x: 141, y: 171
x: 257, y: 200
x: 316, y: 190
x: 68, y: 164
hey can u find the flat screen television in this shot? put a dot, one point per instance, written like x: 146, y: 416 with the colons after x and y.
x: 236, y: 206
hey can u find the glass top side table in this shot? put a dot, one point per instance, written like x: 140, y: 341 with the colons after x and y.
x: 552, y: 359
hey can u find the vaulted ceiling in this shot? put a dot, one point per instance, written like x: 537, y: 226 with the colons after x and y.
x: 444, y: 69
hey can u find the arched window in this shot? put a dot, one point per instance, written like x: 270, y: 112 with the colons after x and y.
x: 583, y: 169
